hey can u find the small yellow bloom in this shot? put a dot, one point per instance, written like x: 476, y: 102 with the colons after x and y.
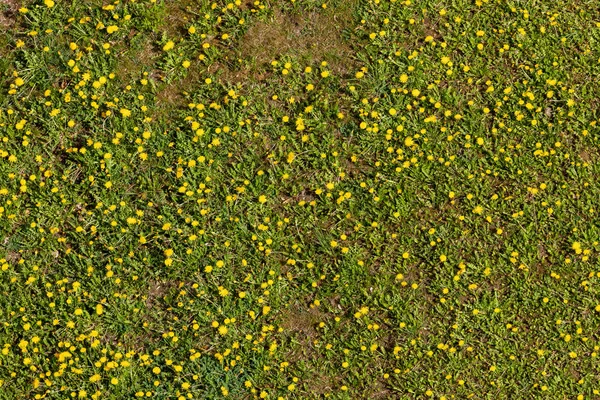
x: 168, y: 46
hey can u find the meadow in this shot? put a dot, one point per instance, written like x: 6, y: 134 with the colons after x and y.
x: 299, y: 199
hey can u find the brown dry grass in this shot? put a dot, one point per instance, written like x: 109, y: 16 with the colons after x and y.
x: 313, y: 37
x: 302, y: 320
x: 171, y: 97
x: 8, y: 17
x: 132, y: 65
x: 177, y: 17
x: 156, y: 291
x: 8, y: 12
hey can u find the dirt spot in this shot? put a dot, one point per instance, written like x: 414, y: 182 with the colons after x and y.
x: 431, y: 29
x: 177, y: 16
x: 12, y: 256
x: 157, y: 290
x: 586, y: 156
x: 542, y: 253
x: 8, y: 12
x: 109, y: 338
x: 303, y: 321
x: 380, y: 391
x: 171, y: 97
x: 312, y: 37
x: 323, y: 385
x: 133, y: 63
x: 305, y: 195
x: 232, y: 74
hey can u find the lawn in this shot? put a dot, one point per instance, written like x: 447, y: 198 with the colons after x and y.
x: 300, y: 199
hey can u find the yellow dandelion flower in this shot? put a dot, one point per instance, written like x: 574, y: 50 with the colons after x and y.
x: 170, y: 44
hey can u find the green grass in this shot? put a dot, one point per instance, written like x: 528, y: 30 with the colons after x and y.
x: 357, y: 200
